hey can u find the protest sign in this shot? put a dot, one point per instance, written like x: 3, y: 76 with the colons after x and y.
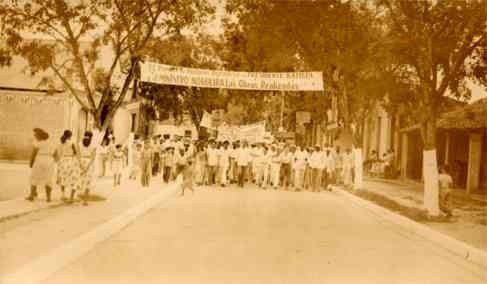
x: 206, y: 120
x: 252, y: 133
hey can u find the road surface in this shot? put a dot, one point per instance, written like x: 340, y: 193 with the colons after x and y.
x: 251, y: 236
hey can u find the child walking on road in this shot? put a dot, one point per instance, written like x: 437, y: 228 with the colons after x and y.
x: 118, y: 161
x: 188, y: 173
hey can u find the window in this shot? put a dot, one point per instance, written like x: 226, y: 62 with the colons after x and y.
x: 187, y: 133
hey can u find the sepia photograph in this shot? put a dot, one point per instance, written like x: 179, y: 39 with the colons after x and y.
x: 243, y: 141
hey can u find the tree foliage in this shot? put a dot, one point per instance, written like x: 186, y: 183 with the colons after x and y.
x: 326, y: 36
x: 68, y: 38
x: 436, y: 47
x: 197, y: 51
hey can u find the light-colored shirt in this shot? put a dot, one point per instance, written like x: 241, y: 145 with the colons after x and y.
x: 286, y: 157
x: 243, y: 157
x: 300, y: 159
x: 445, y: 182
x: 316, y: 160
x: 212, y: 156
x: 224, y: 156
x: 348, y: 160
x: 329, y: 163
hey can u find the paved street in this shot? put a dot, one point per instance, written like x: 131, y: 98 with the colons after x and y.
x: 250, y: 236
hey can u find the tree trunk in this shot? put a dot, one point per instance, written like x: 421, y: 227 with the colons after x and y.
x: 430, y: 167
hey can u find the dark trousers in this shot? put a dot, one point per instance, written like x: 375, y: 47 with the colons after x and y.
x: 242, y: 173
x: 146, y: 173
x: 285, y: 174
x: 167, y: 174
x: 155, y: 164
x: 316, y: 179
x: 211, y: 170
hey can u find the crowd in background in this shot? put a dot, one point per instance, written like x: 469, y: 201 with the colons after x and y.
x: 220, y: 163
x: 383, y: 166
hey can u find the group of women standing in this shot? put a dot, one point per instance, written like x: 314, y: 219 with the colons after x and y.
x: 69, y: 165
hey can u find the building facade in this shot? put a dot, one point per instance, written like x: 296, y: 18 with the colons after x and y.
x: 460, y: 143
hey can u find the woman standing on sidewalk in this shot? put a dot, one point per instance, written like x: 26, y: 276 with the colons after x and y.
x: 87, y: 155
x: 68, y: 166
x: 42, y: 164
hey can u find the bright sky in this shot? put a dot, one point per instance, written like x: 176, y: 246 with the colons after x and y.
x: 214, y: 27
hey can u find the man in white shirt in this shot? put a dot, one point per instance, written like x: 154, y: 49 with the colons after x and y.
x: 212, y: 154
x: 287, y: 158
x: 233, y: 150
x: 275, y: 166
x: 255, y: 152
x: 224, y: 163
x: 316, y: 165
x: 329, y: 169
x: 243, y: 161
x: 300, y: 158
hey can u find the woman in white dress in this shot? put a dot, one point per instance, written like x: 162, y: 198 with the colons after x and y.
x: 68, y: 165
x: 87, y: 155
x: 42, y: 165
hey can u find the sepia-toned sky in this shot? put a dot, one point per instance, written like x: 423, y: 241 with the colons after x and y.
x: 13, y: 77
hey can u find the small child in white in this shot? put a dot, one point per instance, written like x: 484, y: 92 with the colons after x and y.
x: 445, y: 184
x: 118, y: 161
x: 188, y: 173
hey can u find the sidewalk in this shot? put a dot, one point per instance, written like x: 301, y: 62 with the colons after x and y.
x: 26, y: 239
x: 469, y: 223
x: 14, y: 181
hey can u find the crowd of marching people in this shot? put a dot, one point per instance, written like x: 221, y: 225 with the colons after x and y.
x: 276, y: 165
x: 220, y: 163
x: 71, y: 166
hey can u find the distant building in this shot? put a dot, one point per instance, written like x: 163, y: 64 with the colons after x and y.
x: 461, y: 142
x: 22, y: 110
x: 171, y: 128
x: 25, y: 105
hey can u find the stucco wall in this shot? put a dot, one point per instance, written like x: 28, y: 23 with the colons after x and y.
x: 22, y: 111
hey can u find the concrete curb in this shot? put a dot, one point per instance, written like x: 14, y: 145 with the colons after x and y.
x: 40, y: 269
x: 27, y: 211
x: 457, y: 247
x: 30, y: 211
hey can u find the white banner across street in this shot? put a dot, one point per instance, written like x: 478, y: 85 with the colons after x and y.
x: 204, y: 78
